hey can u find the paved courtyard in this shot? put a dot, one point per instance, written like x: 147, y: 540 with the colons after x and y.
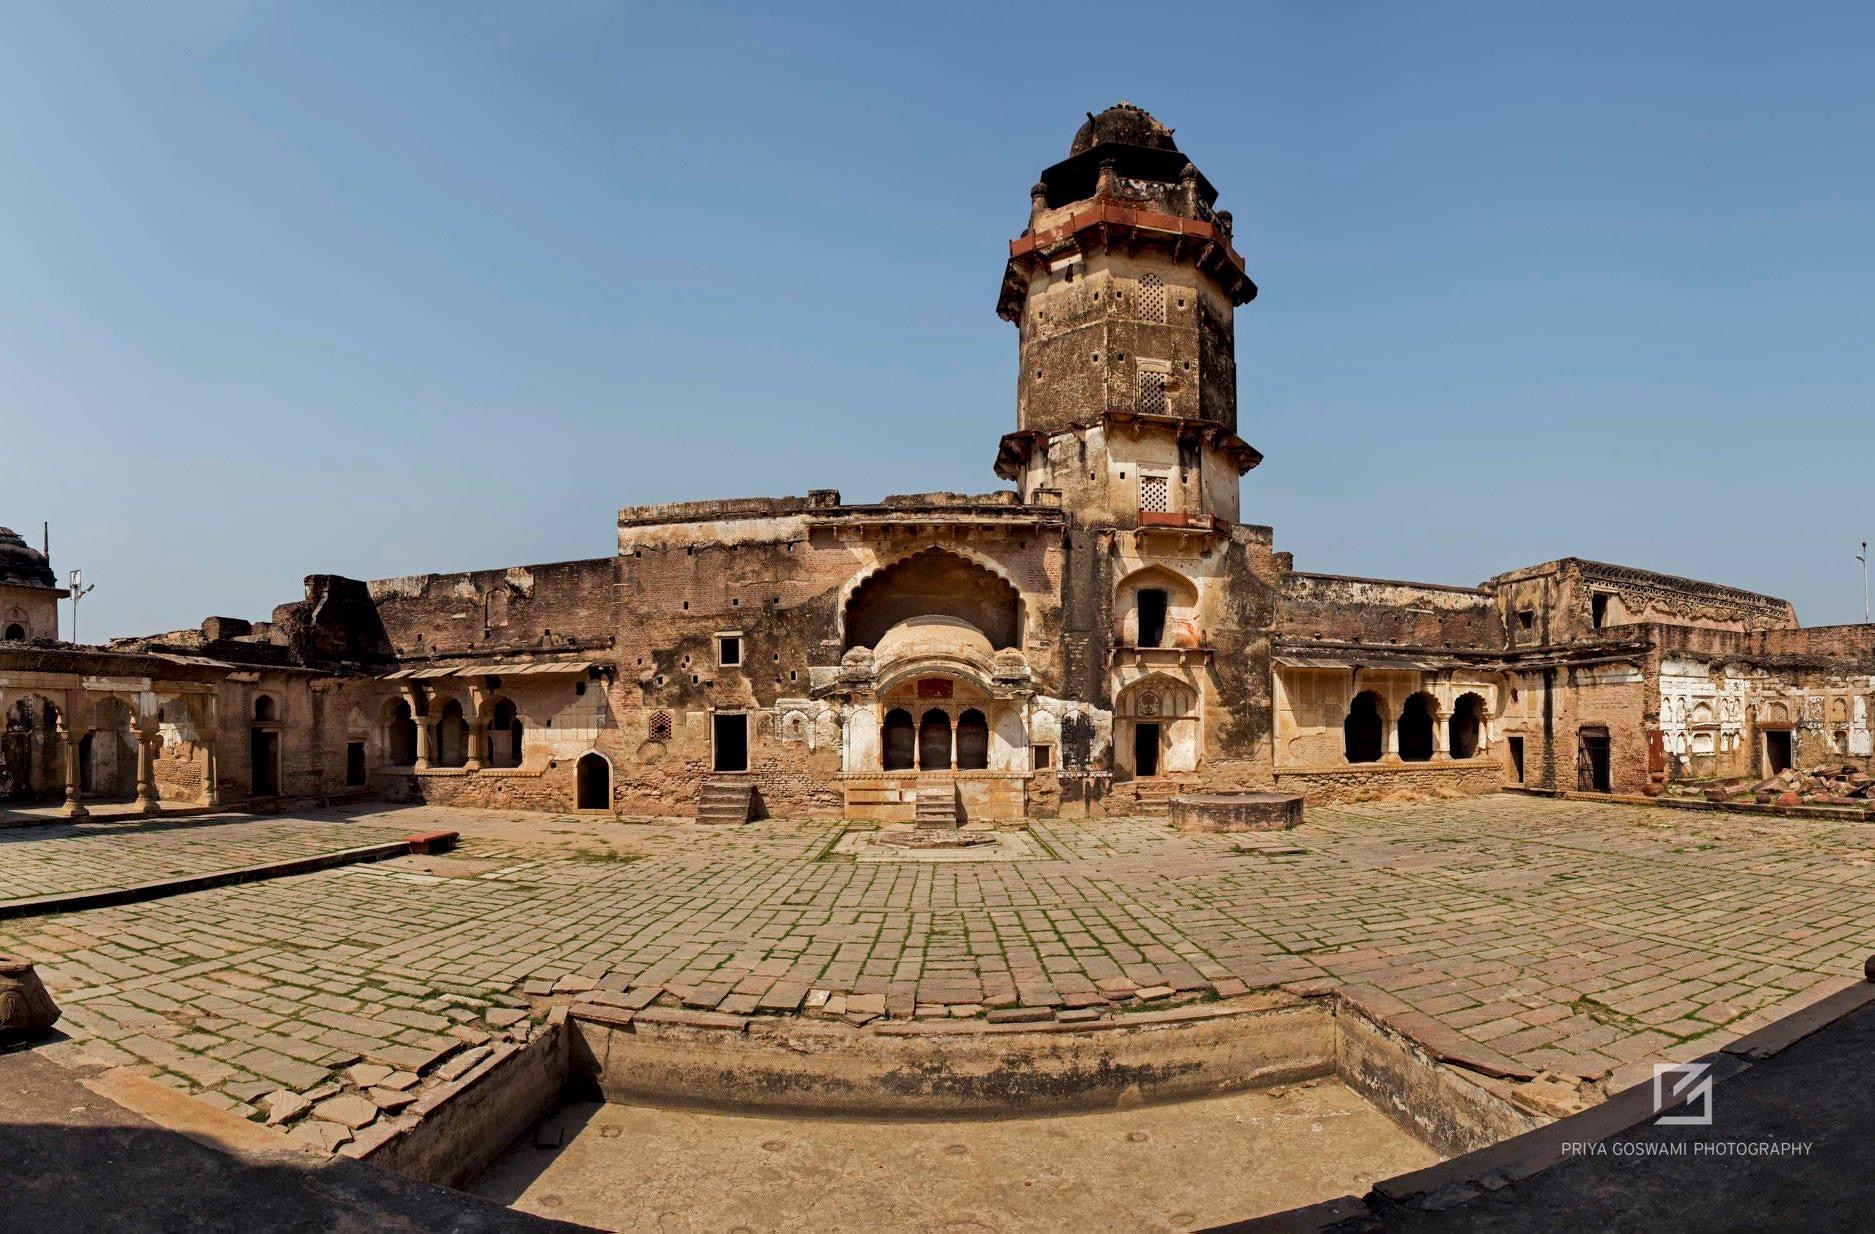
x: 61, y: 858
x: 1586, y: 936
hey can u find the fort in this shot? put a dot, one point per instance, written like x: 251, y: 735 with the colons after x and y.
x: 1103, y: 636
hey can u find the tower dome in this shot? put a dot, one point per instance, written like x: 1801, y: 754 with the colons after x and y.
x: 21, y: 564
x: 1122, y: 124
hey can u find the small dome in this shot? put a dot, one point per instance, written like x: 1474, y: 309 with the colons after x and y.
x: 1122, y: 124
x: 22, y: 564
x: 933, y: 637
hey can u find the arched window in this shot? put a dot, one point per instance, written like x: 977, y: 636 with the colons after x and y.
x: 934, y: 741
x: 973, y: 741
x: 401, y: 736
x: 16, y: 632
x: 594, y: 781
x: 452, y: 736
x: 504, y: 736
x: 264, y: 708
x: 898, y: 740
x: 1416, y: 729
x: 1363, y: 732
x: 1465, y: 725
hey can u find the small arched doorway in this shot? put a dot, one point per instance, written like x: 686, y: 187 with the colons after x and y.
x: 1363, y: 732
x: 973, y: 741
x: 452, y: 736
x: 504, y: 736
x: 898, y: 740
x: 934, y: 741
x: 1463, y: 729
x: 593, y: 776
x: 1416, y: 729
x: 15, y: 632
x: 400, y: 737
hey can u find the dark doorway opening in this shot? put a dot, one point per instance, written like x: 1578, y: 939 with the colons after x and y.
x: 1466, y: 723
x: 354, y: 764
x: 732, y: 742
x: 973, y: 741
x: 263, y: 747
x: 593, y: 778
x: 1145, y: 749
x: 1516, y: 757
x: 1362, y: 731
x: 1416, y: 729
x: 402, y: 736
x: 934, y: 741
x: 1592, y: 774
x: 1598, y: 610
x: 16, y: 632
x: 899, y: 740
x: 1152, y: 605
x: 1777, y: 751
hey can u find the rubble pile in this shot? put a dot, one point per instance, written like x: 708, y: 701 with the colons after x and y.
x: 1842, y: 785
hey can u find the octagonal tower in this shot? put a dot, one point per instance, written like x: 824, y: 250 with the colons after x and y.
x: 1124, y: 287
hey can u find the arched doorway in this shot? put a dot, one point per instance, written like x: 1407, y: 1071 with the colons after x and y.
x: 263, y: 749
x: 898, y: 740
x: 452, y: 736
x: 504, y: 736
x: 400, y: 735
x: 1466, y: 724
x: 973, y: 741
x: 1363, y: 732
x: 30, y: 750
x: 1416, y: 729
x: 593, y: 776
x: 934, y: 741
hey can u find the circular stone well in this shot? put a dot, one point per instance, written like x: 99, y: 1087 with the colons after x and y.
x: 1237, y: 812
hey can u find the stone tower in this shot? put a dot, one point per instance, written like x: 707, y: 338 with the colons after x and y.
x: 1124, y: 287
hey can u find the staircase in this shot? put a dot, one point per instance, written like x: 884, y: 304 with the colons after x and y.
x: 1154, y: 797
x: 937, y: 804
x: 726, y: 800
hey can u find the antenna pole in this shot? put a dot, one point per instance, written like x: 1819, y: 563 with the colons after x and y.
x: 79, y: 591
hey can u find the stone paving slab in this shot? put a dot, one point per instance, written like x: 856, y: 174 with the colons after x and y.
x: 1576, y: 936
x: 81, y: 857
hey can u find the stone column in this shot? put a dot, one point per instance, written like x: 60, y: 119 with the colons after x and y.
x: 74, y: 795
x: 1441, y: 734
x: 3, y: 712
x: 211, y: 771
x: 146, y: 773
x: 423, y: 742
x: 478, y: 747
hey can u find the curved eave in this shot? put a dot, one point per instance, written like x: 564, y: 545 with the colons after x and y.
x: 1106, y: 224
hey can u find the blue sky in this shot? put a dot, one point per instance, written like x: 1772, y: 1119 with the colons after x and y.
x: 379, y: 289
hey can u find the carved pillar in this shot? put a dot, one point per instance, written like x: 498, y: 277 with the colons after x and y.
x: 423, y: 743
x: 1441, y: 733
x: 74, y: 795
x: 146, y: 773
x: 478, y: 747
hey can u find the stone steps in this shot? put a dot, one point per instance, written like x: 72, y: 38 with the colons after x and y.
x: 1153, y: 798
x: 726, y: 800
x: 937, y: 804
